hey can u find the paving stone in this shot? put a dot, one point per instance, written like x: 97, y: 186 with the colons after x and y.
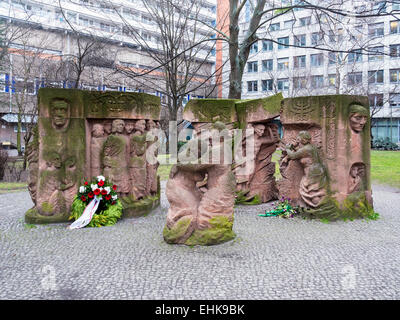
x: 271, y: 258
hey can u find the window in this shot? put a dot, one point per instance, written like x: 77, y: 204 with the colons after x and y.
x: 299, y: 62
x: 376, y: 100
x: 375, y: 76
x: 283, y: 43
x: 355, y: 56
x: 71, y: 17
x: 332, y: 80
x: 395, y: 75
x: 376, y: 30
x: 316, y: 38
x: 354, y: 78
x: 254, y: 48
x: 23, y: 128
x: 283, y: 84
x: 299, y: 82
x: 394, y: 50
x: 283, y: 64
x: 146, y: 36
x: 317, y: 60
x: 357, y: 33
x: 252, y: 86
x: 317, y: 81
x: 305, y: 21
x: 379, y: 7
x: 288, y: 24
x: 395, y: 26
x: 331, y: 36
x: 267, y: 65
x: 105, y: 27
x: 268, y: 45
x: 376, y: 54
x: 252, y: 66
x: 300, y: 40
x: 332, y: 58
x: 274, y: 26
x: 396, y: 6
x: 394, y: 100
x: 267, y: 85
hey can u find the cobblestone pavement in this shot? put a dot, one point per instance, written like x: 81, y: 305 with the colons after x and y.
x: 271, y: 258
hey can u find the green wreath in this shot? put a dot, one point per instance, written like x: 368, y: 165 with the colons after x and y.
x: 106, y: 217
x: 110, y: 208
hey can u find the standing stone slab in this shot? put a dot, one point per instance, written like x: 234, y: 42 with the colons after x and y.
x: 255, y: 181
x: 82, y: 134
x: 325, y: 164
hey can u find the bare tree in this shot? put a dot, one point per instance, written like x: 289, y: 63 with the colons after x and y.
x: 26, y: 63
x: 180, y: 48
x: 262, y: 14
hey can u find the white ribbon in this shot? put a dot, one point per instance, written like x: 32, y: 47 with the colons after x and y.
x: 87, y: 215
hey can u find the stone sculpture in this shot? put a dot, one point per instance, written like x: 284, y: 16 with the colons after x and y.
x: 96, y: 146
x: 252, y: 166
x: 201, y: 198
x: 325, y: 169
x: 82, y: 134
x: 314, y: 182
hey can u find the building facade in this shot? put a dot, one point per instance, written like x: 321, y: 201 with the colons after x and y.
x: 306, y: 52
x: 51, y: 40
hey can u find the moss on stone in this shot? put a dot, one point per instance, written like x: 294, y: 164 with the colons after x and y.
x: 137, y: 208
x: 211, y: 110
x: 47, y: 207
x: 355, y: 206
x: 177, y: 231
x: 271, y: 105
x: 220, y: 231
x: 33, y: 216
x: 108, y: 104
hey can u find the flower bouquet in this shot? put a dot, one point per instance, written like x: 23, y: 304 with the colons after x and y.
x: 282, y: 209
x: 96, y: 204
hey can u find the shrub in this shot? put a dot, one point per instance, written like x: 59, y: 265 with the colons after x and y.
x: 384, y: 144
x: 3, y: 162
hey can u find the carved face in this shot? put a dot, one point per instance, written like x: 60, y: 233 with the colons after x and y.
x: 129, y: 127
x: 151, y: 125
x: 118, y: 126
x: 140, y: 125
x: 259, y: 130
x: 303, y: 138
x: 59, y: 114
x: 357, y: 122
x: 98, y: 130
x: 62, y: 169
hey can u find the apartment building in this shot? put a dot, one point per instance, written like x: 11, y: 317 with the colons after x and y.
x: 51, y: 37
x: 309, y: 53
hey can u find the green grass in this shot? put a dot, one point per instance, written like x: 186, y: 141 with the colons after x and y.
x: 6, y: 187
x: 385, y: 167
x: 163, y: 169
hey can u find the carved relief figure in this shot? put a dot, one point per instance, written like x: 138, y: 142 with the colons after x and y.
x: 260, y: 162
x: 358, y: 118
x: 129, y: 126
x: 137, y: 166
x: 152, y: 148
x: 200, y: 216
x: 59, y: 181
x: 96, y: 146
x: 115, y: 153
x: 356, y: 175
x: 60, y: 114
x: 314, y: 183
x: 262, y: 181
